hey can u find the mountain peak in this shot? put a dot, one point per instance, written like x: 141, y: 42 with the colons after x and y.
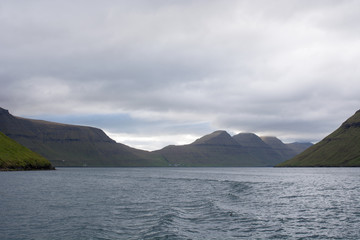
x: 272, y: 141
x: 249, y: 140
x: 219, y: 137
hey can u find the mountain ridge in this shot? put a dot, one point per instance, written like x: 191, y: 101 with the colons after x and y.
x: 73, y: 145
x: 221, y: 149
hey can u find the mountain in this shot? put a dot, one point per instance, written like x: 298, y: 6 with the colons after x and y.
x: 281, y: 148
x: 259, y: 149
x: 14, y: 156
x: 220, y: 149
x: 219, y: 137
x: 71, y: 145
x: 339, y: 149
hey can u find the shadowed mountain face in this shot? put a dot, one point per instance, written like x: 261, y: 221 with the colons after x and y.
x: 339, y: 149
x: 70, y: 145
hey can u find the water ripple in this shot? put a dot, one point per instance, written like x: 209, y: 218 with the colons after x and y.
x: 201, y: 203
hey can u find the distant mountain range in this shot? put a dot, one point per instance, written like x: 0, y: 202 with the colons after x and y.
x: 339, y: 149
x: 220, y: 149
x: 71, y: 145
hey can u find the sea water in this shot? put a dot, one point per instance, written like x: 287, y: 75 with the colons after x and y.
x: 181, y: 203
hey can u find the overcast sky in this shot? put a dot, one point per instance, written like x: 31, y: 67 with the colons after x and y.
x: 159, y: 72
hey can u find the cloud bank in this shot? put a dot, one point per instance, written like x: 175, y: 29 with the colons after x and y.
x: 166, y: 72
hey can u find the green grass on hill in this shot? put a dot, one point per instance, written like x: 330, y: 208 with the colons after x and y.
x: 340, y: 149
x: 14, y: 156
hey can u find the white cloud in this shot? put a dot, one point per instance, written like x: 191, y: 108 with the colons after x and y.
x: 157, y: 141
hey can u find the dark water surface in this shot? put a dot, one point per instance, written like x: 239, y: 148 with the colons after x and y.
x: 181, y: 203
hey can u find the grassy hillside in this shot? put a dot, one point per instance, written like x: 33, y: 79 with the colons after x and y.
x: 340, y: 149
x: 14, y: 156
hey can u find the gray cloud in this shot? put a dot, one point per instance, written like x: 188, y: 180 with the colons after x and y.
x: 287, y: 68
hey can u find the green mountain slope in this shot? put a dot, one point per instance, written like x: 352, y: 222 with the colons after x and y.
x: 70, y: 145
x: 340, y: 149
x: 14, y: 156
